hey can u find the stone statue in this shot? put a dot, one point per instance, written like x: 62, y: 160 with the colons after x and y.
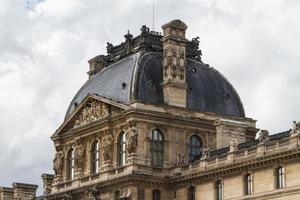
x: 205, y: 153
x: 296, y: 128
x: 179, y: 159
x: 58, y: 162
x: 79, y: 154
x: 263, y: 136
x: 105, y: 110
x: 132, y: 139
x: 233, y: 145
x: 107, y: 147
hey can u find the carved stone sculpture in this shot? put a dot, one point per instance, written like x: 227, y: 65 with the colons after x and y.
x: 233, y: 145
x: 179, y: 159
x: 107, y: 147
x: 263, y: 136
x: 58, y: 162
x: 132, y: 139
x: 79, y: 156
x: 205, y: 153
x: 296, y: 128
x: 92, y: 111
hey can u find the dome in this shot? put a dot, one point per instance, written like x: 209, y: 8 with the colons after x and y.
x: 139, y: 77
x: 133, y: 71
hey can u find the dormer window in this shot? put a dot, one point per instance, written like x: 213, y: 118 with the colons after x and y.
x: 157, y: 148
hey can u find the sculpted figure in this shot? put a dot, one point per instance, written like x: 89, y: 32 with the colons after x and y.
x: 108, y: 147
x: 98, y: 110
x: 233, y: 144
x: 263, y: 136
x: 105, y: 110
x: 132, y: 139
x: 296, y: 128
x: 58, y: 162
x: 79, y: 156
x: 205, y: 153
x: 179, y: 159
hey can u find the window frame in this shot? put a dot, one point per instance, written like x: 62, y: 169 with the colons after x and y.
x: 219, y: 189
x: 248, y: 182
x: 122, y: 149
x: 70, y: 165
x: 195, y: 147
x: 157, y: 148
x: 280, y: 177
x: 95, y: 157
x: 192, y: 193
x: 156, y: 194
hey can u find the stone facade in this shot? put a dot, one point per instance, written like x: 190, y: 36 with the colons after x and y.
x: 107, y: 149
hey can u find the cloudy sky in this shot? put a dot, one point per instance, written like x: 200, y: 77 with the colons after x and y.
x: 45, y: 46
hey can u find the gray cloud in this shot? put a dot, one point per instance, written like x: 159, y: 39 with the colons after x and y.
x: 45, y: 46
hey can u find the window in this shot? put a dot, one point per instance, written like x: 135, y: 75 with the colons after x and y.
x: 157, y: 148
x: 219, y: 189
x: 195, y: 145
x: 70, y: 165
x: 155, y: 195
x: 95, y: 157
x: 191, y: 193
x: 117, y: 195
x: 280, y: 177
x: 122, y: 149
x: 248, y: 184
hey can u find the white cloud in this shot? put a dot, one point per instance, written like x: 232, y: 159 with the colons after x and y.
x: 45, y: 44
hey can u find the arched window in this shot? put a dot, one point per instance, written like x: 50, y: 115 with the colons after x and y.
x: 157, y: 148
x: 95, y: 157
x: 155, y: 195
x: 195, y: 146
x: 219, y: 189
x: 191, y: 193
x: 70, y: 164
x: 122, y: 149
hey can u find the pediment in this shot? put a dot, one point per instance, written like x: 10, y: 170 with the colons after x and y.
x: 91, y: 109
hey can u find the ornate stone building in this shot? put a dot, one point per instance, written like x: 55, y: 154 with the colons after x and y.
x: 153, y: 122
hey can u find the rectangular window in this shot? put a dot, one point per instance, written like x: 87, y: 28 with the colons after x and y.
x: 248, y: 184
x: 280, y: 176
x: 219, y: 189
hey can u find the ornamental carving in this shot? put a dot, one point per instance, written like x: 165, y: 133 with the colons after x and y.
x: 174, y: 62
x: 79, y: 155
x: 132, y: 138
x: 92, y: 194
x: 58, y: 161
x: 108, y: 147
x: 94, y: 110
x: 263, y: 136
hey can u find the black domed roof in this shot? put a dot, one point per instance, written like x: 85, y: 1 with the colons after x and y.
x: 139, y: 76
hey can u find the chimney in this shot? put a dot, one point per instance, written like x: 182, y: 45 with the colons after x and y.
x: 97, y: 64
x: 174, y: 66
x: 24, y: 191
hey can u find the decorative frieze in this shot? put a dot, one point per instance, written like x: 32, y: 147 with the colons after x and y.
x: 94, y: 110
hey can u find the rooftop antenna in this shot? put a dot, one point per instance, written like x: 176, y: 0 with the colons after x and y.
x: 153, y: 14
